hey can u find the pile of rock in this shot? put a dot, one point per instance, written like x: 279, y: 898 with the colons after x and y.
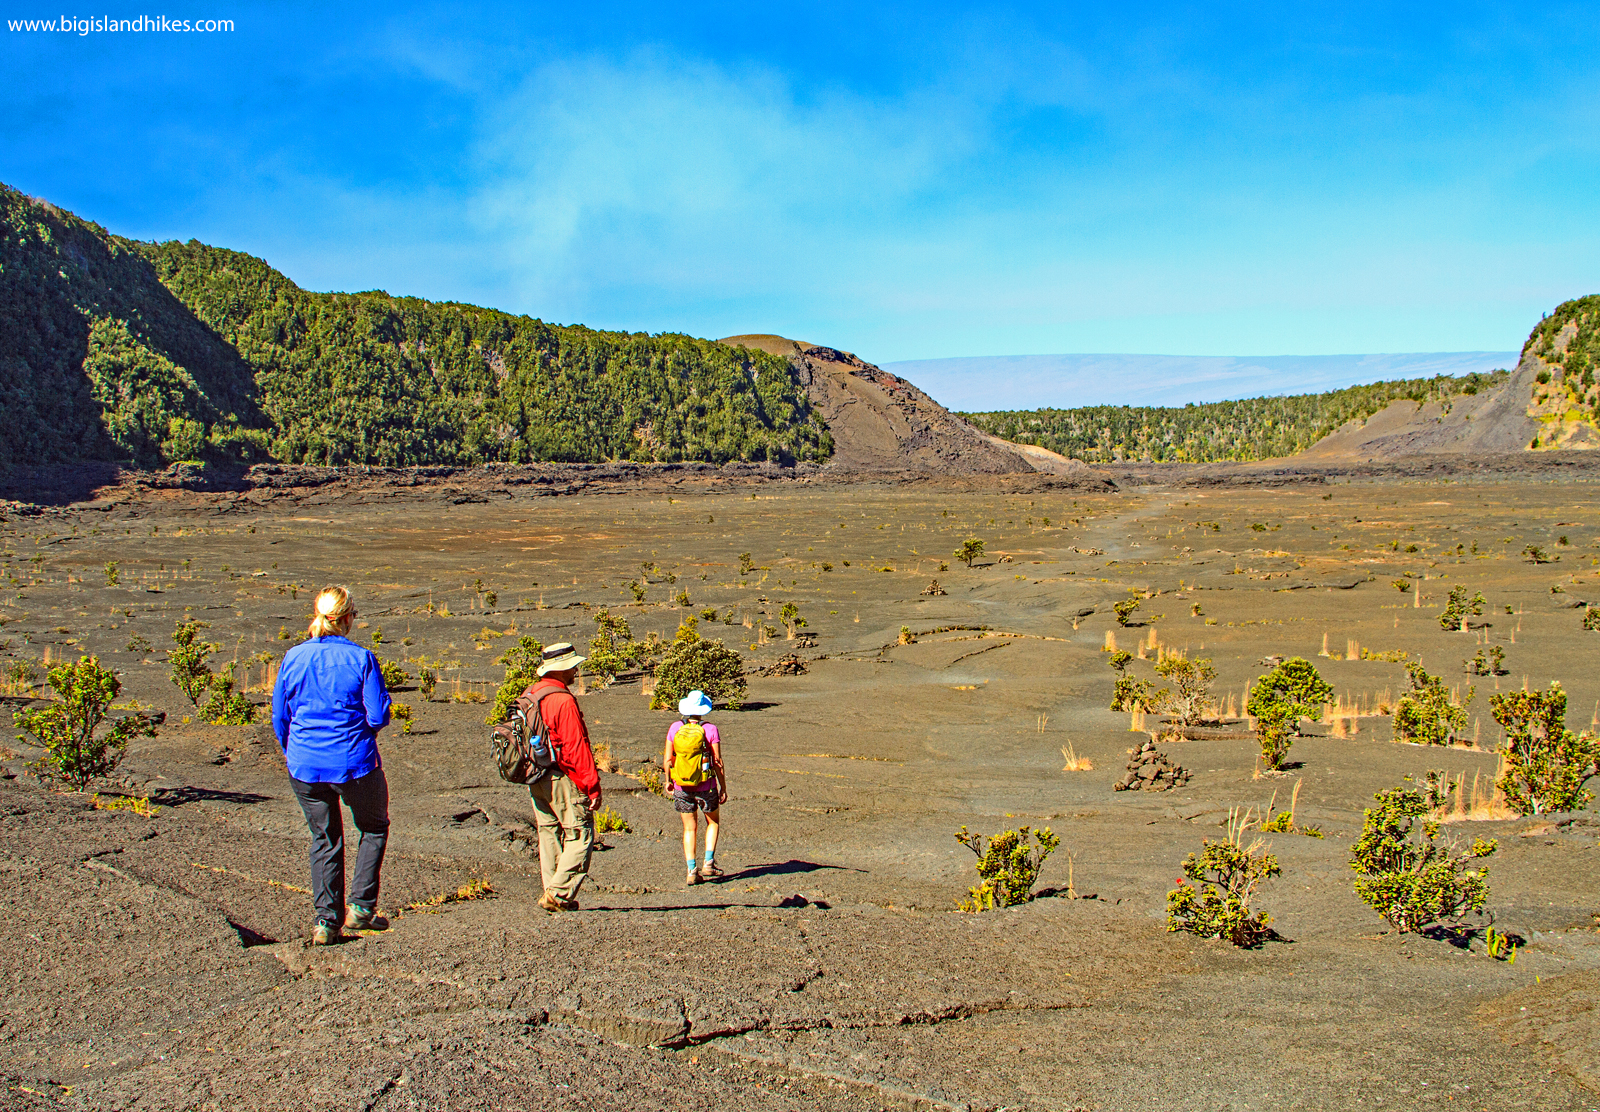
x: 790, y: 665
x: 933, y: 588
x: 1150, y: 770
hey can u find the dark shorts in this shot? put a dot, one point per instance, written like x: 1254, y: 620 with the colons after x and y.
x: 686, y: 801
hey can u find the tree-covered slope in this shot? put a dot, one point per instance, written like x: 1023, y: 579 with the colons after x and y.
x: 154, y: 352
x: 1251, y: 429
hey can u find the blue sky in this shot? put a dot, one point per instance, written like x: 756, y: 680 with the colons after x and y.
x: 907, y: 182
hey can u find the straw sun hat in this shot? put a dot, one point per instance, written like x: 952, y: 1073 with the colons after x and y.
x: 559, y: 657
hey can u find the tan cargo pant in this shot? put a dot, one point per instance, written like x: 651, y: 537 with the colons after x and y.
x: 566, y: 833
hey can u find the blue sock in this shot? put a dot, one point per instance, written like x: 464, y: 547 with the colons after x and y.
x: 691, y: 864
x: 710, y: 853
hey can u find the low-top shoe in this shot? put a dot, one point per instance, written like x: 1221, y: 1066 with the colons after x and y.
x: 364, y: 919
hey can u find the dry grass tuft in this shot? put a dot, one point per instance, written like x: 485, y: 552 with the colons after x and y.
x: 1485, y: 803
x: 1075, y: 763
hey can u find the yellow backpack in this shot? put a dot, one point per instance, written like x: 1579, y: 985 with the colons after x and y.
x: 691, y: 756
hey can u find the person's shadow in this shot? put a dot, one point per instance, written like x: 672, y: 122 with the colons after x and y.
x: 790, y: 867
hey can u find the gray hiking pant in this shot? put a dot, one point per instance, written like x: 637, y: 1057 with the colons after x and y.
x: 566, y: 833
x: 368, y: 800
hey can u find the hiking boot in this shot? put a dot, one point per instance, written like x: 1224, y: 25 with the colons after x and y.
x: 326, y: 934
x: 552, y: 903
x: 566, y: 904
x: 692, y: 878
x: 364, y: 919
x: 711, y: 871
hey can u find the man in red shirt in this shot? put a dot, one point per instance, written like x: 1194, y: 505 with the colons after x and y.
x: 565, y: 798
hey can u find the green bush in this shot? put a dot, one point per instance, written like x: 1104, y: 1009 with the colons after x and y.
x: 1426, y: 714
x: 1124, y: 610
x: 1008, y: 865
x: 66, y: 729
x: 1591, y: 619
x: 1191, y: 681
x: 970, y: 550
x: 212, y: 693
x: 1405, y: 874
x: 1132, y: 694
x: 1291, y: 691
x: 1458, y: 607
x: 191, y: 673
x: 522, y: 670
x: 226, y: 707
x: 612, y: 649
x: 394, y: 675
x: 1226, y: 874
x: 607, y: 821
x: 693, y: 663
x: 1546, y: 764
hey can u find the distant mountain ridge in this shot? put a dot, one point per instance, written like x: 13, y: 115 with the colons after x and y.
x: 1016, y: 382
x: 150, y: 353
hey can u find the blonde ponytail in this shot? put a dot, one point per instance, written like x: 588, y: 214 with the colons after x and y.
x: 333, y: 609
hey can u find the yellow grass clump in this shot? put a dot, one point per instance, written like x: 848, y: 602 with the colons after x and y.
x: 1075, y: 763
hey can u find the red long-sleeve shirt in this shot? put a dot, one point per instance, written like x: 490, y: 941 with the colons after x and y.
x: 574, y: 756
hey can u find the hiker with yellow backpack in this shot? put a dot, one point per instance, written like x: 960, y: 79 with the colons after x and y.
x: 692, y: 764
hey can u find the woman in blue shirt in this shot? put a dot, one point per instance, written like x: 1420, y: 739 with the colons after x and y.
x: 327, y: 708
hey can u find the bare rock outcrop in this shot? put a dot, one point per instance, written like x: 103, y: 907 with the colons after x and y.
x: 881, y: 422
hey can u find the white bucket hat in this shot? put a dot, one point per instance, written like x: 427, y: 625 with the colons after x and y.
x: 694, y: 703
x: 559, y: 657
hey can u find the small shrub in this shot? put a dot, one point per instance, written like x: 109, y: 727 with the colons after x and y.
x: 1119, y: 660
x: 1405, y: 874
x: 394, y: 676
x: 212, y: 693
x: 1226, y: 874
x: 1546, y: 764
x: 746, y: 564
x: 427, y: 681
x: 651, y: 779
x: 113, y: 577
x: 1491, y: 665
x: 226, y: 707
x: 1291, y: 691
x: 401, y: 713
x: 1008, y: 865
x: 696, y: 663
x: 607, y: 821
x: 1458, y: 607
x: 906, y: 636
x: 682, y: 598
x: 1401, y: 585
x: 134, y: 804
x: 1591, y: 619
x: 137, y: 644
x: 1133, y: 694
x: 377, y: 635
x: 637, y: 590
x: 612, y: 649
x: 522, y: 669
x: 1124, y: 610
x: 67, y: 729
x: 970, y: 550
x: 1191, y: 681
x: 1426, y: 715
x: 191, y: 673
x: 790, y: 617
x: 1536, y: 555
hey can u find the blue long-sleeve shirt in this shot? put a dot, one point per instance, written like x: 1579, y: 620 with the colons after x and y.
x: 327, y: 708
